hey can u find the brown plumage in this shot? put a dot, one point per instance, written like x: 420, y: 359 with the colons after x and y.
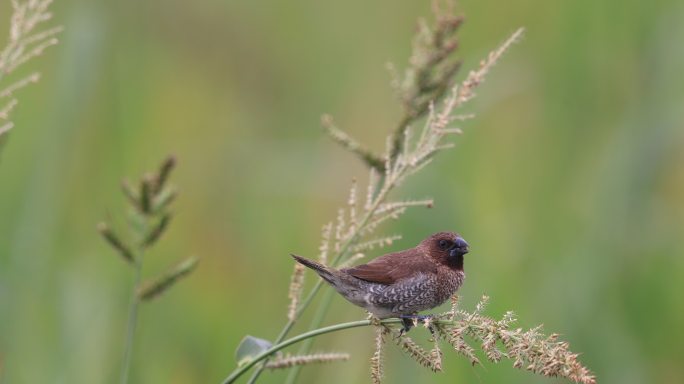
x: 401, y: 283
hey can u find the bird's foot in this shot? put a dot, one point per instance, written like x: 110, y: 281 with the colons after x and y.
x: 410, y: 321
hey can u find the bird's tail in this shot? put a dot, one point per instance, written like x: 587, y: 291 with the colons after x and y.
x: 328, y: 274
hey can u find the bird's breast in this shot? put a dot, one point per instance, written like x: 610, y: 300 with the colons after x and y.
x: 449, y: 282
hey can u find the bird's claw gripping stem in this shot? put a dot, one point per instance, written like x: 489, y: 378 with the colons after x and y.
x: 410, y: 321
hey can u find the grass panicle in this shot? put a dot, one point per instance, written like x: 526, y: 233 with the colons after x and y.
x: 324, y: 248
x: 376, y: 362
x: 530, y: 349
x: 427, y: 359
x: 289, y: 361
x: 149, y: 217
x: 431, y: 70
x: 295, y: 293
x: 28, y: 38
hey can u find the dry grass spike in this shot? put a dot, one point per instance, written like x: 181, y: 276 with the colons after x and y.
x: 289, y: 361
x: 295, y: 292
x: 25, y: 42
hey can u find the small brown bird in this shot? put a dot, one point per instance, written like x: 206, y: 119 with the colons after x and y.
x: 403, y: 283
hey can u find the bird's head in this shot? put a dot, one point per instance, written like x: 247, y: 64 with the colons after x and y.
x: 446, y: 248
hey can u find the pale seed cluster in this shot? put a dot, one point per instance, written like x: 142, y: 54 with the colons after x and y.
x: 25, y: 42
x: 289, y: 361
x: 530, y: 350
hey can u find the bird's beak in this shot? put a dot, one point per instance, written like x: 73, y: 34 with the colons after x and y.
x: 460, y: 247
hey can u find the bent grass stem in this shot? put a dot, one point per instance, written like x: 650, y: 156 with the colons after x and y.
x: 307, y: 335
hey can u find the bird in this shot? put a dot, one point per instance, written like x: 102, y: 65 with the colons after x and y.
x: 403, y: 283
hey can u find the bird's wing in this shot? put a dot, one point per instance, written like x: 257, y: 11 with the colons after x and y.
x: 392, y: 267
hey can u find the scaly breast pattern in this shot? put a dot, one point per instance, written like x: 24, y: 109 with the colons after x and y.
x: 418, y: 293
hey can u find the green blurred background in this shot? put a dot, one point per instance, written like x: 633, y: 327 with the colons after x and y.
x: 569, y: 184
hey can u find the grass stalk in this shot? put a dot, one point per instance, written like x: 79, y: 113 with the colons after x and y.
x: 530, y: 349
x: 352, y: 239
x: 296, y: 339
x: 321, y: 311
x: 132, y: 320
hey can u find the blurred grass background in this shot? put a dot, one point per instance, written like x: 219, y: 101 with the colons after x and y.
x: 569, y: 184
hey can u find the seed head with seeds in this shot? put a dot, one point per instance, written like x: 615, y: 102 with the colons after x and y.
x: 26, y: 41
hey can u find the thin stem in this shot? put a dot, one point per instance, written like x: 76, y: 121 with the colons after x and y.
x: 306, y: 346
x: 277, y: 347
x: 325, y: 303
x: 132, y: 320
x: 257, y: 372
x: 288, y: 326
x: 384, y: 190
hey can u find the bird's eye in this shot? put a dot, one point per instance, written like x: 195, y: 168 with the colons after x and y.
x: 444, y: 244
